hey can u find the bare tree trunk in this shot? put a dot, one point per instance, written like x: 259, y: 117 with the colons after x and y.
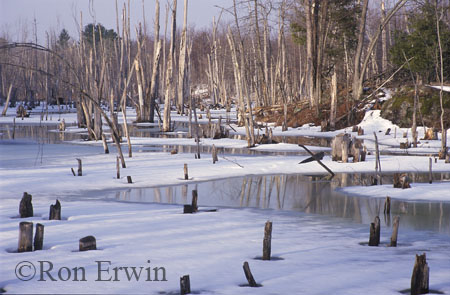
x: 154, y: 87
x: 443, y: 152
x: 170, y: 72
x: 359, y: 71
x: 182, y: 75
x: 333, y: 101
x: 8, y: 97
x: 357, y: 87
x: 384, y: 48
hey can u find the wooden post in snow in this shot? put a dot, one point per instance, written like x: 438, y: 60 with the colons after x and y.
x: 185, y: 285
x: 186, y: 175
x: 374, y: 239
x: 25, y: 206
x: 55, y: 211
x: 105, y: 145
x: 214, y: 154
x: 87, y: 243
x: 430, y: 172
x: 395, y: 231
x: 25, y: 237
x: 80, y: 168
x: 267, y: 241
x: 248, y: 275
x: 420, y: 276
x: 14, y: 128
x: 39, y: 237
x: 377, y: 159
x: 387, y: 206
x: 194, y: 200
x: 118, y: 167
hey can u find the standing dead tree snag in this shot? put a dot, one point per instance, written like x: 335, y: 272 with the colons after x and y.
x: 170, y: 83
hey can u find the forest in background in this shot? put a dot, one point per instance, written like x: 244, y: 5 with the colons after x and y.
x: 317, y: 55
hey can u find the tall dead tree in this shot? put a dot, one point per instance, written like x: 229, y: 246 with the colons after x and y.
x: 183, y: 83
x: 170, y: 90
x: 154, y: 87
x: 360, y: 69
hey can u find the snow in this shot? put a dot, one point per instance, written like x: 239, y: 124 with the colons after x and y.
x: 319, y: 254
x: 444, y: 88
x: 417, y: 192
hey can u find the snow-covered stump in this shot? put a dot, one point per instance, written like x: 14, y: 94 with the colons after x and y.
x: 25, y: 237
x: 374, y: 239
x: 39, y: 237
x: 87, y: 243
x: 387, y: 206
x: 186, y: 175
x: 388, y: 131
x: 337, y: 146
x: 25, y: 206
x: 80, y: 168
x: 420, y: 276
x: 267, y: 242
x: 55, y: 211
x: 395, y: 231
x: 248, y: 274
x: 185, y: 285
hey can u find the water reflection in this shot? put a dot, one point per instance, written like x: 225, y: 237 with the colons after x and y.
x: 303, y: 193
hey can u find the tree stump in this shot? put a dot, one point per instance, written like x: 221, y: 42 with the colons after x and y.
x: 429, y: 134
x: 249, y: 276
x: 118, y: 167
x: 105, y: 145
x: 345, y: 144
x: 55, y: 211
x: 26, y: 207
x: 214, y: 154
x: 194, y: 201
x: 186, y: 175
x: 420, y: 276
x: 387, y: 206
x: 430, y: 171
x: 336, y: 146
x: 185, y: 285
x: 80, y: 168
x: 267, y: 242
x: 88, y: 243
x: 374, y: 239
x: 39, y: 237
x: 360, y: 131
x: 25, y: 237
x: 129, y: 179
x: 401, y: 181
x: 395, y: 231
x: 388, y: 131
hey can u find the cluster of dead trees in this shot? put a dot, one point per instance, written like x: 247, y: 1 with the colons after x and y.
x: 256, y: 53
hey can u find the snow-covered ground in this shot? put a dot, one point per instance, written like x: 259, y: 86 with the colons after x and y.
x: 320, y: 255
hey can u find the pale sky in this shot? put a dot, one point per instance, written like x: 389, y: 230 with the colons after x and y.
x: 15, y: 15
